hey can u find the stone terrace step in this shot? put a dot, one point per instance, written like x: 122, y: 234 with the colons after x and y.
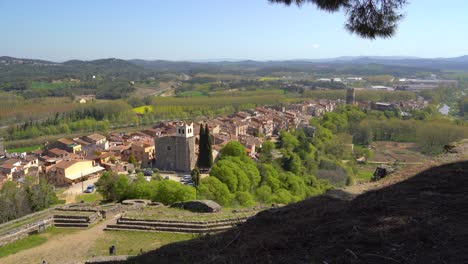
x: 66, y: 220
x: 71, y: 225
x: 229, y: 220
x: 167, y: 229
x: 72, y: 216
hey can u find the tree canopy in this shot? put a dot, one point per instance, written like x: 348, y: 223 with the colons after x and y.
x: 366, y: 18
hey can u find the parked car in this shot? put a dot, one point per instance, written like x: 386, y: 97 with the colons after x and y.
x: 89, y: 189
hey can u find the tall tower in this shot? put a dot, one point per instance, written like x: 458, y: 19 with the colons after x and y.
x: 184, y: 147
x: 350, y: 96
x: 184, y: 130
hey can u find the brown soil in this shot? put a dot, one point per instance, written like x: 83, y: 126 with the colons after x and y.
x: 418, y: 219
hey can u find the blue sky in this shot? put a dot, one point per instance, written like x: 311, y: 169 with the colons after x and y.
x: 216, y: 29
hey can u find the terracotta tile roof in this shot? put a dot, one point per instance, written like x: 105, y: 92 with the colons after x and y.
x: 95, y: 137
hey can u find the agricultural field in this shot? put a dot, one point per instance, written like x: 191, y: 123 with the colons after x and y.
x: 24, y: 149
x: 17, y: 109
x: 390, y: 152
x: 143, y: 109
x: 192, y: 94
x: 269, y: 79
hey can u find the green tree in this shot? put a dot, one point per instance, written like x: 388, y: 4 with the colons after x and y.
x: 233, y: 148
x: 213, y: 189
x: 244, y: 199
x: 367, y: 19
x: 132, y: 160
x: 266, y: 152
x: 169, y: 192
x: 195, y: 173
x: 202, y: 151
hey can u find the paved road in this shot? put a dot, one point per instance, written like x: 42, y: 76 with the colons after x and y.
x: 79, y: 187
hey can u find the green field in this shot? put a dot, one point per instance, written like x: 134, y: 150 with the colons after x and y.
x: 133, y: 242
x: 33, y: 241
x: 268, y: 79
x: 365, y: 176
x: 143, y: 109
x: 89, y: 197
x: 17, y: 246
x: 192, y: 94
x: 25, y: 149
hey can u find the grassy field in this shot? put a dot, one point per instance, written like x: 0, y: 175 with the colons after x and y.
x: 132, y: 243
x: 89, y: 197
x: 33, y: 241
x: 143, y: 109
x: 25, y: 149
x: 365, y: 173
x: 17, y: 246
x: 166, y: 213
x: 191, y: 94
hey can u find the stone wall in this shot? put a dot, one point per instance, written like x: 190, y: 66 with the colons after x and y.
x: 175, y: 153
x: 165, y: 157
x: 26, y: 230
x: 185, y: 155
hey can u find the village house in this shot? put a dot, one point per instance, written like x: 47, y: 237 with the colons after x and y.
x: 251, y: 144
x: 67, y: 145
x: 143, y: 153
x: 153, y: 132
x: 69, y: 172
x: 58, y: 153
x: 98, y: 140
x: 14, y: 169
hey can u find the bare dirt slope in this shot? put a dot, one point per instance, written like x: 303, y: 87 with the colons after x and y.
x: 70, y: 248
x: 418, y: 219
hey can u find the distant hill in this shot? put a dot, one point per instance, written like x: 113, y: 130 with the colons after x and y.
x: 5, y: 60
x: 18, y: 69
x: 24, y: 70
x: 396, y: 65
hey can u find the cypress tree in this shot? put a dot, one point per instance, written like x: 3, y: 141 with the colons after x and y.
x: 209, y: 149
x: 201, y: 148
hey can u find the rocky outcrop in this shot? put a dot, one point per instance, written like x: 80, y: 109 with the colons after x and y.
x: 199, y: 206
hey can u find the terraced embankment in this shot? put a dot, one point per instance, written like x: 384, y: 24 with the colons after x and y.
x: 174, y: 226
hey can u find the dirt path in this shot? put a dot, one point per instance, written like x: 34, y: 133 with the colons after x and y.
x: 63, y: 249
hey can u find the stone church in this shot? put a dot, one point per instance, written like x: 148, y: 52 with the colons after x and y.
x: 177, y: 152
